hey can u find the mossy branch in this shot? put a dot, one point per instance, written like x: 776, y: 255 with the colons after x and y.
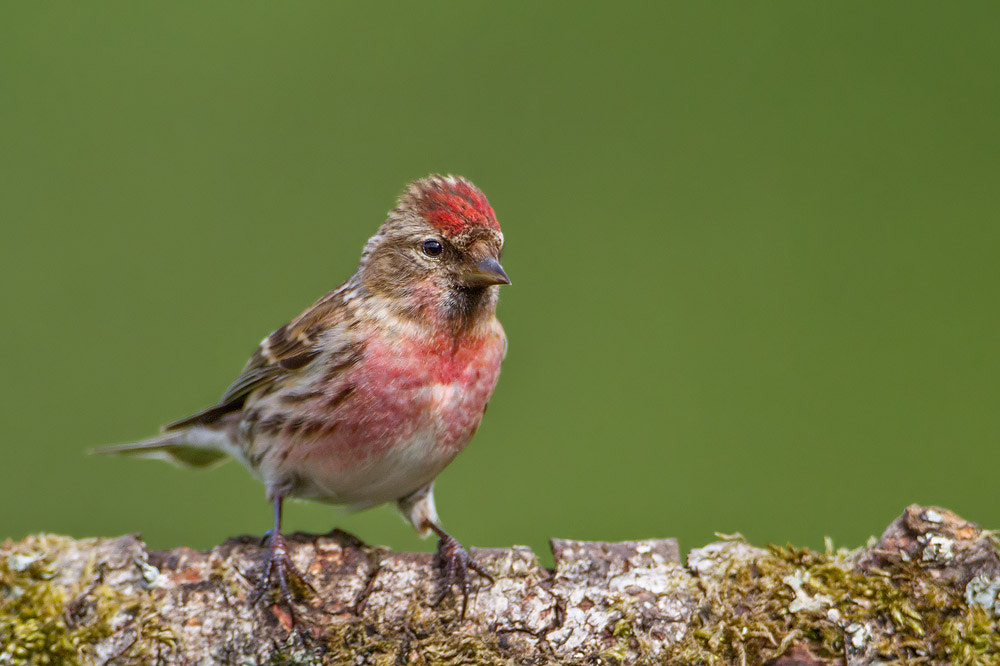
x: 926, y: 592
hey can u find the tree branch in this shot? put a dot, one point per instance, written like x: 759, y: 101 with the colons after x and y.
x: 927, y: 591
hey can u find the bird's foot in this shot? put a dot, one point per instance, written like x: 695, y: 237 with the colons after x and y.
x: 281, y: 570
x: 455, y: 564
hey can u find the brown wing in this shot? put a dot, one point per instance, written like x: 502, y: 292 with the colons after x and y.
x: 281, y: 354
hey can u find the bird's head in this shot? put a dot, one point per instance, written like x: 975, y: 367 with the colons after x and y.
x: 438, y: 253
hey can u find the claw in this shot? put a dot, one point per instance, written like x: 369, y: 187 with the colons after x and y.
x: 455, y: 565
x: 281, y: 569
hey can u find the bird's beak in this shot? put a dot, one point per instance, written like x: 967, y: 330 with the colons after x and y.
x: 485, y: 272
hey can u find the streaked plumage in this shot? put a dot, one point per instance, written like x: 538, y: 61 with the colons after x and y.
x: 367, y: 395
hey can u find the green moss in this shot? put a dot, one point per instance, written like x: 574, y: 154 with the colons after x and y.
x: 749, y: 617
x: 45, y: 623
x: 436, y: 643
x: 753, y: 605
x: 354, y: 642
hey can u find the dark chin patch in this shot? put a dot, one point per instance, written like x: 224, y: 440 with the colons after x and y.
x: 466, y: 303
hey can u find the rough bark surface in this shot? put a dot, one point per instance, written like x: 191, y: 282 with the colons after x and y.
x: 926, y: 592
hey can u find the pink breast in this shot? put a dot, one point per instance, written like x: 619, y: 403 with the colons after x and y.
x: 406, y: 388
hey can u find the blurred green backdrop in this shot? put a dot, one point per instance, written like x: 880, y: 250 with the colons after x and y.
x: 754, y: 249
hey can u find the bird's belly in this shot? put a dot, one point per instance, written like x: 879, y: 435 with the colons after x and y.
x: 401, y: 444
x: 397, y: 430
x: 392, y: 470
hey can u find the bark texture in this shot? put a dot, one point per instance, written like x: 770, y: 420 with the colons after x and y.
x: 926, y: 592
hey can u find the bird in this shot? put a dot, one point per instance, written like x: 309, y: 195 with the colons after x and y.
x: 367, y: 395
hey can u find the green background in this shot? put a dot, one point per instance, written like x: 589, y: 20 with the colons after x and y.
x: 754, y: 249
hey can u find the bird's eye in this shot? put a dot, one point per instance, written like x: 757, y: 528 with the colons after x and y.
x: 432, y: 248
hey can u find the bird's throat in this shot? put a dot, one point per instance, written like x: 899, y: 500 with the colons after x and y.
x: 457, y: 310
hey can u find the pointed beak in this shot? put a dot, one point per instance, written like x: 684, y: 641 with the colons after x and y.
x: 484, y: 273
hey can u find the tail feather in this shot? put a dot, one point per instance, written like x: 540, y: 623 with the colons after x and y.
x: 194, y: 447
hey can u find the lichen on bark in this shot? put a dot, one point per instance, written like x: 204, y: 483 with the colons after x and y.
x: 926, y: 592
x: 77, y: 602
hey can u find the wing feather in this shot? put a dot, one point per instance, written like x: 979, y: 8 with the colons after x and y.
x: 282, y: 354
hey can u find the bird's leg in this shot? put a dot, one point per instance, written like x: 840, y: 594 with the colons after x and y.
x: 455, y: 564
x: 280, y: 566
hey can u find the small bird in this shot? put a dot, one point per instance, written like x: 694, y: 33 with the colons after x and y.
x: 372, y: 391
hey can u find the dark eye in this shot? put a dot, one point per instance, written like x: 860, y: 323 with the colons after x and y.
x: 432, y: 248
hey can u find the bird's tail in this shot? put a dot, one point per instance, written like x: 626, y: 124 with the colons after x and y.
x: 195, y: 446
